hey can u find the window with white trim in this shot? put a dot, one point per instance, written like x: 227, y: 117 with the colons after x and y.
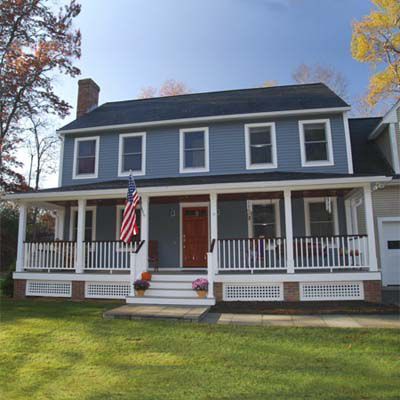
x: 86, y: 154
x: 194, y: 155
x: 132, y: 153
x: 316, y: 142
x: 260, y: 146
x: 264, y: 218
x: 321, y: 218
x: 90, y: 224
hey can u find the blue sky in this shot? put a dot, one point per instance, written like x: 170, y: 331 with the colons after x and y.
x: 212, y: 44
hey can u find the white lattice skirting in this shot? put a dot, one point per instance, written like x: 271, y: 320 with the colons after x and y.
x: 259, y: 292
x: 101, y: 290
x: 48, y: 288
x: 331, y: 291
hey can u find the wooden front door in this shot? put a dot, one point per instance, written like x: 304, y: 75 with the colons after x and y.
x: 195, y: 236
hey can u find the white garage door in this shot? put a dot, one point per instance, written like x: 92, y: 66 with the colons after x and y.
x: 390, y: 251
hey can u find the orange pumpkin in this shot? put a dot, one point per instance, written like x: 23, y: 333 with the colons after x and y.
x: 146, y: 276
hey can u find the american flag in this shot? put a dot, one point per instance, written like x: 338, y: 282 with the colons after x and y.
x: 128, y: 226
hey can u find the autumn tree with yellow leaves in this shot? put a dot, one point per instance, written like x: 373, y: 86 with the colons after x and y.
x: 376, y: 41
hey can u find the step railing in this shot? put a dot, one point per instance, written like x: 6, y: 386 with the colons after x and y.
x: 112, y: 255
x: 137, y: 264
x: 50, y: 256
x: 330, y: 252
x: 212, y: 261
x: 262, y: 254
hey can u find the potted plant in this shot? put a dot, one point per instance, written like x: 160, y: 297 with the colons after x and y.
x: 141, y: 286
x: 200, y: 285
x: 146, y: 276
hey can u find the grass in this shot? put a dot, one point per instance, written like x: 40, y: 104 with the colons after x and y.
x: 64, y: 350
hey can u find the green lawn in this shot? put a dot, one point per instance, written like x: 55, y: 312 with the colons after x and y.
x: 64, y: 350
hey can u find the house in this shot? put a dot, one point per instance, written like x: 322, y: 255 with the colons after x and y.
x: 253, y: 189
x: 385, y: 134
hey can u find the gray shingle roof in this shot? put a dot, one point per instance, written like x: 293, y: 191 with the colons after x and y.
x: 245, y: 101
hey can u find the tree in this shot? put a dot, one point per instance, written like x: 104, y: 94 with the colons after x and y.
x: 170, y: 87
x: 42, y: 144
x: 335, y: 80
x: 269, y: 83
x: 34, y: 42
x: 376, y: 41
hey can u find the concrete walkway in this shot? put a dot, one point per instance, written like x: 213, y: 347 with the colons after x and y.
x: 200, y: 314
x: 321, y: 321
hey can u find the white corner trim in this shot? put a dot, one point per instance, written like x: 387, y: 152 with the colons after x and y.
x: 247, y: 129
x: 275, y: 203
x: 349, y: 152
x: 96, y: 164
x: 122, y: 136
x: 328, y: 135
x: 118, y: 220
x: 308, y: 201
x: 182, y: 168
x: 206, y: 118
x: 61, y: 161
x: 74, y: 210
x: 394, y: 148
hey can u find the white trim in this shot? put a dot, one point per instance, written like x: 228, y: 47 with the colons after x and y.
x: 96, y: 164
x: 249, y: 164
x: 330, y: 296
x: 118, y: 220
x: 237, y: 187
x: 61, y: 161
x: 72, y: 219
x: 349, y: 152
x: 328, y: 136
x: 142, y: 171
x: 182, y: 168
x: 389, y: 117
x: 335, y: 219
x: 303, y: 277
x: 275, y: 203
x: 181, y: 207
x: 380, y: 222
x: 206, y: 118
x: 394, y: 148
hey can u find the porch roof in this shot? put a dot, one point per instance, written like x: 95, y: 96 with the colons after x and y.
x: 119, y: 186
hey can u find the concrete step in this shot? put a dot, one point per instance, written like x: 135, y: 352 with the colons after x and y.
x: 170, y: 285
x: 170, y: 292
x: 184, y: 301
x: 175, y: 277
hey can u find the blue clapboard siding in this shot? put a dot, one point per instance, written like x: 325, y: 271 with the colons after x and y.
x: 227, y: 150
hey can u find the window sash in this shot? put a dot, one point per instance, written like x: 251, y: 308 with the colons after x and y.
x: 81, y: 166
x: 194, y: 150
x: 125, y: 154
x: 309, y: 149
x: 267, y: 223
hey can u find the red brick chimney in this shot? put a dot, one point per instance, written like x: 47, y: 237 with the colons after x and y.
x: 88, y: 96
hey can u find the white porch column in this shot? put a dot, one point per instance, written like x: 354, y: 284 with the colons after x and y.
x: 60, y: 224
x: 144, y: 231
x: 289, y: 230
x: 23, y: 211
x: 80, y: 236
x: 369, y: 219
x: 213, y: 216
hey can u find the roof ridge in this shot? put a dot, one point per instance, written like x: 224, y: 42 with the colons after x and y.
x: 217, y: 91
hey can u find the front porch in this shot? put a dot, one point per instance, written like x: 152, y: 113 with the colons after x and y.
x: 263, y: 238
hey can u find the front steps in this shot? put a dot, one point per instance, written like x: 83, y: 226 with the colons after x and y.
x: 171, y: 289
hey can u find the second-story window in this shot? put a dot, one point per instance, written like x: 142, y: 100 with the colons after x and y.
x: 132, y: 153
x: 86, y: 152
x: 316, y: 143
x: 260, y: 146
x: 194, y: 150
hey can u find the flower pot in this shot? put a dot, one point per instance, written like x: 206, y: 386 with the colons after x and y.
x: 146, y: 276
x: 202, y: 293
x: 139, y: 292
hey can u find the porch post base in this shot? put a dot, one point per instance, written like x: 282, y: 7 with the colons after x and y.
x: 78, y: 291
x: 218, y: 291
x: 19, y: 289
x: 373, y: 291
x: 291, y: 291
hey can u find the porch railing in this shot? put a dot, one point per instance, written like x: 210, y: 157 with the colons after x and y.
x: 331, y: 252
x: 108, y: 255
x: 252, y: 254
x: 55, y: 255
